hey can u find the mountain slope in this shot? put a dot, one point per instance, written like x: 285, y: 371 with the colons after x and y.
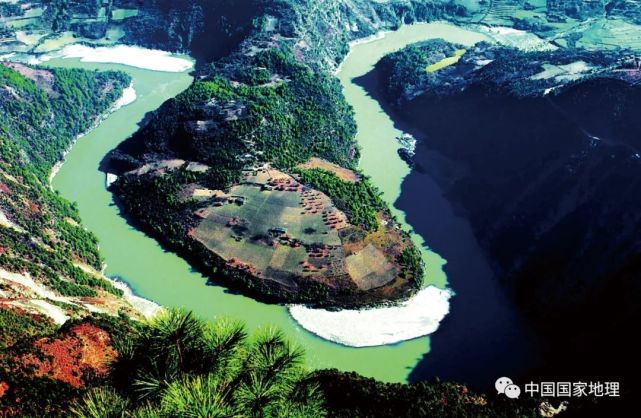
x: 545, y: 168
x: 49, y: 264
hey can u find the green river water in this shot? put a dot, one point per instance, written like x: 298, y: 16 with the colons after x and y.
x: 168, y: 280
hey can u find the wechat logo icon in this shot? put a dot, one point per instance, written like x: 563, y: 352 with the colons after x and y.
x: 505, y: 386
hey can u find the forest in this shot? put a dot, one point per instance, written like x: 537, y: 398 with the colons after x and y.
x: 270, y: 106
x: 38, y: 122
x: 73, y: 98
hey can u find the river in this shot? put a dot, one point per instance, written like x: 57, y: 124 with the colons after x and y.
x: 167, y: 279
x: 380, y: 161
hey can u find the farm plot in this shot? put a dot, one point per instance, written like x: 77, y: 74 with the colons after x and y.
x: 611, y: 34
x: 369, y: 268
x: 277, y: 229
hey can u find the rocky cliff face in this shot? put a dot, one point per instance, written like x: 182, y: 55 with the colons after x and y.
x: 544, y: 165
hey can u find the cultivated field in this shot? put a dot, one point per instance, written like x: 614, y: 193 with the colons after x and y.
x: 369, y: 268
x: 274, y: 225
x: 278, y: 229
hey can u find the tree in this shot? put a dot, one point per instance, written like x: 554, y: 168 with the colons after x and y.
x: 182, y: 366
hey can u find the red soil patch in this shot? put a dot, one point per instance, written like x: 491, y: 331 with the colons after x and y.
x: 4, y: 188
x: 43, y: 78
x: 33, y: 207
x: 84, y: 348
x: 239, y: 265
x: 341, y: 172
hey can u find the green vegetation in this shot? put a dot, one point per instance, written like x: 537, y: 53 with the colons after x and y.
x: 412, y: 263
x: 177, y: 365
x: 8, y: 9
x: 15, y: 325
x: 58, y: 14
x: 38, y: 121
x: 227, y: 115
x: 180, y: 365
x: 299, y: 115
x: 141, y: 196
x: 43, y: 119
x: 350, y: 395
x: 360, y: 201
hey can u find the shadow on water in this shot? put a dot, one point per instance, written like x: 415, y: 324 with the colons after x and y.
x: 107, y: 163
x: 483, y: 336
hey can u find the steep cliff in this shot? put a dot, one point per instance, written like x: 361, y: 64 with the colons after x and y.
x: 539, y: 153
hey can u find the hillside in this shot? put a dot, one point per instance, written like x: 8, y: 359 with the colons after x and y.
x: 178, y: 365
x: 545, y: 169
x: 49, y: 264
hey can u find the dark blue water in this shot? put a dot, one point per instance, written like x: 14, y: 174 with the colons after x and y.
x: 483, y: 337
x: 535, y: 202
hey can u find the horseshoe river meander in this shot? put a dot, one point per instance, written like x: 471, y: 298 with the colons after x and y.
x: 166, y: 279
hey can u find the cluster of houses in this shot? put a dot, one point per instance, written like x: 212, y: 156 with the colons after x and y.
x: 229, y: 199
x: 310, y: 268
x: 334, y: 219
x: 312, y: 202
x: 283, y: 238
x: 318, y: 253
x: 284, y: 184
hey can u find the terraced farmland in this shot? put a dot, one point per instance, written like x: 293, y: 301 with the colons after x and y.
x: 276, y: 228
x: 611, y: 34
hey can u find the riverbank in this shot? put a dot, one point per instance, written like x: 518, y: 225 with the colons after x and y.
x: 420, y: 315
x: 416, y: 317
x: 144, y: 306
x: 165, y: 278
x: 128, y: 96
x: 132, y: 56
x: 377, y: 133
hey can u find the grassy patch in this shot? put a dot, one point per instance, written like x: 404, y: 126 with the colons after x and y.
x: 120, y: 14
x: 445, y: 62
